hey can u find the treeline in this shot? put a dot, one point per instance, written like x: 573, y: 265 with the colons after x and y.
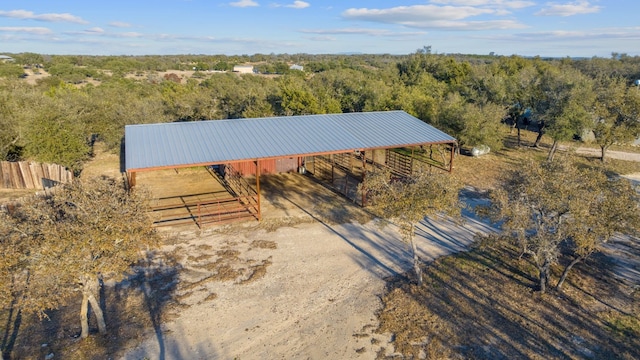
x: 469, y: 97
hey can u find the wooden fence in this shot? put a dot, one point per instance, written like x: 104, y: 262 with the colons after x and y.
x: 31, y: 175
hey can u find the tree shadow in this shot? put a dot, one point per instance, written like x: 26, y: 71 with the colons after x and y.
x: 141, y: 301
x: 480, y: 304
x: 11, y: 329
x: 155, y: 279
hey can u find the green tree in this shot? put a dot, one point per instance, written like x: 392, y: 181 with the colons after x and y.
x: 9, y: 70
x: 472, y: 124
x: 188, y: 102
x: 356, y: 91
x: 107, y: 108
x: 550, y: 206
x: 55, y: 135
x: 10, y: 95
x: 222, y: 66
x: 522, y: 78
x: 296, y: 98
x: 411, y: 199
x: 617, y: 113
x: 563, y: 105
x: 29, y: 59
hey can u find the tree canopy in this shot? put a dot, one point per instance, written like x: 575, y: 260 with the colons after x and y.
x: 408, y: 200
x: 468, y: 96
x: 558, y: 213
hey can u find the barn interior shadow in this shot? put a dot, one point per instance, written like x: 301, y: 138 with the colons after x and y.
x: 309, y: 195
x: 123, y: 155
x: 303, y: 195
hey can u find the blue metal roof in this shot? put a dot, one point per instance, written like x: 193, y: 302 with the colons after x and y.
x: 182, y: 144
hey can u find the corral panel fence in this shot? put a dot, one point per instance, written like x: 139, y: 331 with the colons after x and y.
x: 32, y: 175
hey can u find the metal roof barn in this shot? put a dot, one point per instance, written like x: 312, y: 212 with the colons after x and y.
x: 251, y: 144
x: 182, y: 144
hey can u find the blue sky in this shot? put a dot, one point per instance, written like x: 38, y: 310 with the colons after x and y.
x: 234, y: 27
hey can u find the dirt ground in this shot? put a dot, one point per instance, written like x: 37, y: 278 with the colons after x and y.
x: 304, y: 283
x: 326, y: 266
x: 317, y: 300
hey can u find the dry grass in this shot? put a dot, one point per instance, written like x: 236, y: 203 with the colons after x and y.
x: 157, y: 291
x: 133, y: 308
x: 273, y: 224
x: 264, y: 244
x: 256, y: 272
x: 8, y: 196
x: 483, y: 172
x: 481, y: 305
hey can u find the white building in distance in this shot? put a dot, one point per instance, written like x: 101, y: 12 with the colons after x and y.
x: 243, y: 69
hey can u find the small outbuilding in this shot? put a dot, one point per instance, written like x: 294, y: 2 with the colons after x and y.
x: 243, y: 69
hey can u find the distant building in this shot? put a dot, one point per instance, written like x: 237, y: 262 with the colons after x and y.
x: 243, y: 69
x: 5, y: 58
x: 296, y: 67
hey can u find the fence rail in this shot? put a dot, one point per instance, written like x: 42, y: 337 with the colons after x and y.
x: 226, y: 210
x: 32, y: 175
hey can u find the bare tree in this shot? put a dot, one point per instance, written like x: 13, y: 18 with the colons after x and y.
x: 607, y: 207
x: 409, y: 200
x: 554, y: 206
x: 84, y: 232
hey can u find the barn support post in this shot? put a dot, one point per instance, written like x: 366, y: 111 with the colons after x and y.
x: 364, y: 173
x: 346, y: 186
x: 258, y: 189
x: 131, y: 179
x: 451, y: 159
x: 332, y: 166
x: 411, y: 163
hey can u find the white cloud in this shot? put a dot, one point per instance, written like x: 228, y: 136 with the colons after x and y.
x: 53, y: 17
x: 323, y: 38
x: 414, y: 14
x: 359, y: 31
x: 509, y: 4
x: 28, y: 30
x: 95, y: 30
x: 477, y: 25
x: 98, y: 31
x: 569, y: 9
x: 628, y: 33
x: 433, y: 17
x: 298, y: 5
x: 129, y: 35
x: 244, y: 3
x: 119, y: 24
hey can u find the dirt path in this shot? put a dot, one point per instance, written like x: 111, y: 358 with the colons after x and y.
x: 318, y: 299
x: 613, y: 154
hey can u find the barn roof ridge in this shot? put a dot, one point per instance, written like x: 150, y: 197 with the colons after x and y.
x: 266, y: 118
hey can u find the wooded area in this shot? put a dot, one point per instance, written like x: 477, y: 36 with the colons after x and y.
x: 468, y: 96
x: 99, y: 229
